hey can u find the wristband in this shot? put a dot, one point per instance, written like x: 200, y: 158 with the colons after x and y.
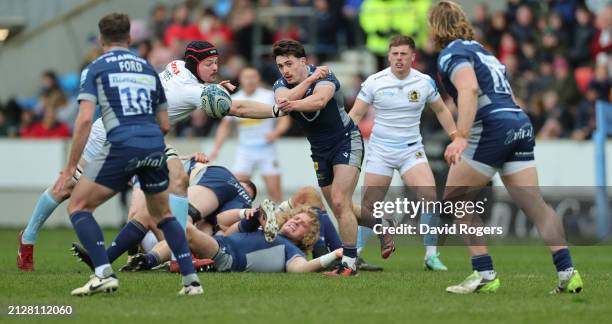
x: 243, y: 213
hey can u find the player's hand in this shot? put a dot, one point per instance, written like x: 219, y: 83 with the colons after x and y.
x: 249, y: 213
x: 227, y: 85
x: 285, y: 105
x: 453, y: 151
x: 64, y: 178
x: 320, y: 73
x: 199, y: 157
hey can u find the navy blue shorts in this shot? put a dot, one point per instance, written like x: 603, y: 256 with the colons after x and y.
x: 500, y: 138
x: 221, y: 181
x: 115, y: 165
x: 349, y: 150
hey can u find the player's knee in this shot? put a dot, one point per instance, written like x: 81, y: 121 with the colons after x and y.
x: 340, y: 204
x: 307, y: 195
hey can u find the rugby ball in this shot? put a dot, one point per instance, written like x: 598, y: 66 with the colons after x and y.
x: 216, y: 101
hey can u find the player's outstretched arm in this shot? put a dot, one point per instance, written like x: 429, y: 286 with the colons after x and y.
x: 360, y: 108
x: 253, y: 109
x: 320, y: 96
x: 298, y: 92
x: 444, y: 117
x: 300, y: 264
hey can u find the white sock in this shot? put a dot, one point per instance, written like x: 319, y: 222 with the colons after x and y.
x: 430, y: 251
x: 488, y: 275
x: 284, y: 206
x: 103, y: 271
x: 565, y: 274
x: 350, y: 262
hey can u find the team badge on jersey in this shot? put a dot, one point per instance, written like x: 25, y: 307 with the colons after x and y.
x: 316, y: 166
x: 419, y: 155
x: 414, y: 96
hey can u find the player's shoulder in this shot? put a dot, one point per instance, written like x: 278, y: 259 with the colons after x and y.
x: 379, y: 76
x: 424, y: 77
x: 177, y: 70
x: 280, y: 83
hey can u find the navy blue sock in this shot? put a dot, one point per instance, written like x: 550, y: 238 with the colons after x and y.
x: 482, y: 263
x: 349, y: 251
x: 152, y: 260
x: 175, y: 236
x: 131, y: 234
x: 90, y: 235
x: 562, y: 260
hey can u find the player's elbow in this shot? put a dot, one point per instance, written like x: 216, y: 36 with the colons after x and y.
x: 165, y: 128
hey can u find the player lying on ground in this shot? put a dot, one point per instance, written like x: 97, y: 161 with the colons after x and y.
x: 399, y: 94
x: 248, y: 251
x: 184, y: 84
x: 493, y: 134
x: 134, y: 146
x: 312, y: 97
x: 213, y: 191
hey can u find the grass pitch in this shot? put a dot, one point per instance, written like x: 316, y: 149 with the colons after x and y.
x: 402, y: 293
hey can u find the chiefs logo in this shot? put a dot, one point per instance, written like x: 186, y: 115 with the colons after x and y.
x: 316, y: 166
x: 414, y: 96
x: 419, y: 155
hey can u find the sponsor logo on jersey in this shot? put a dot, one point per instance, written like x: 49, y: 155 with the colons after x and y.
x: 174, y: 68
x: 414, y: 96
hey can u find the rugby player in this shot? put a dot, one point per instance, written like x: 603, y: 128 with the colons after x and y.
x: 249, y: 251
x: 493, y: 135
x: 131, y: 98
x: 312, y: 97
x: 399, y: 94
x: 256, y: 137
x: 183, y: 82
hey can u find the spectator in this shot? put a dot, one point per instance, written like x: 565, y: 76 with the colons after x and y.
x: 559, y: 30
x: 507, y: 47
x: 585, y: 117
x: 481, y: 22
x: 584, y: 34
x: 522, y: 29
x: 181, y: 30
x: 603, y: 36
x: 355, y: 36
x: 214, y: 30
x: 327, y: 30
x: 48, y: 127
x: 564, y: 83
x: 552, y: 127
x: 159, y: 21
x: 527, y: 59
x: 498, y: 26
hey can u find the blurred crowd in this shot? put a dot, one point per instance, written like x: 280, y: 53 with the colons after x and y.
x: 557, y: 54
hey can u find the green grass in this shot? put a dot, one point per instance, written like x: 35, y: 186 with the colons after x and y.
x: 402, y: 293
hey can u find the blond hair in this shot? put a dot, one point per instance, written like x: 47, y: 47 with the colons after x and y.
x: 447, y: 22
x: 312, y: 235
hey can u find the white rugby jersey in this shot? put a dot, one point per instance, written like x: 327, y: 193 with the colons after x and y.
x: 183, y: 91
x: 252, y: 132
x: 95, y: 141
x: 398, y: 105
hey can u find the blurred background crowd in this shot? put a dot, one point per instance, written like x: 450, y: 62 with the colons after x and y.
x: 557, y: 55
